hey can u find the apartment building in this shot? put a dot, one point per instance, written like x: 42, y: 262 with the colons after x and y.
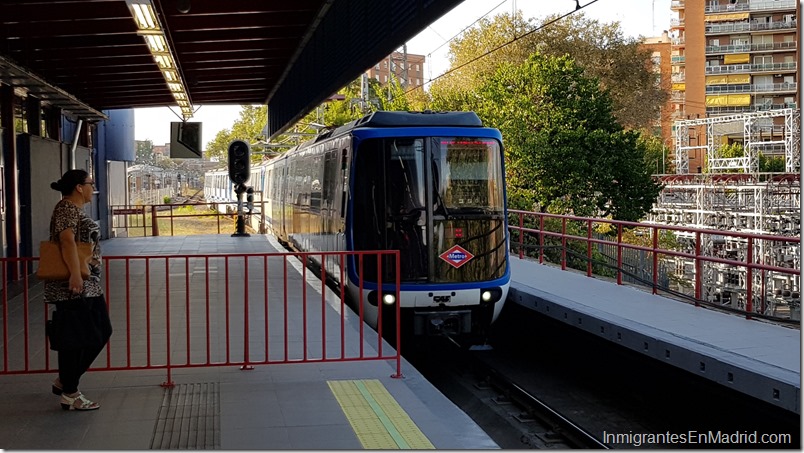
x: 660, y: 49
x: 408, y: 69
x: 734, y: 56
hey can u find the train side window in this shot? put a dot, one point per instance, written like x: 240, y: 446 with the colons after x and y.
x: 345, y: 179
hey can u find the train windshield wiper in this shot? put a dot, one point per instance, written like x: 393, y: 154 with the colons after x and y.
x: 476, y: 211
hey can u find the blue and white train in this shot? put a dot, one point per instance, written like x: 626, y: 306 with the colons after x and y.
x: 431, y: 185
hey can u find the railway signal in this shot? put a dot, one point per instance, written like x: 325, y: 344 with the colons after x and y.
x: 239, y: 173
x: 239, y: 161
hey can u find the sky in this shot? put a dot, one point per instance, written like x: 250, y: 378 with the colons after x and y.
x: 637, y: 17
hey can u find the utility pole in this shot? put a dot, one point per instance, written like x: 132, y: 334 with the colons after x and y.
x: 405, y: 66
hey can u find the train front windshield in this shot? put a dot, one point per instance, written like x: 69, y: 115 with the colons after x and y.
x: 438, y: 200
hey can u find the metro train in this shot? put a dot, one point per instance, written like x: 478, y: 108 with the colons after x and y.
x: 429, y: 184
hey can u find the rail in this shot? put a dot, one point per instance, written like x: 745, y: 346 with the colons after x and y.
x: 184, y: 311
x: 175, y: 219
x: 756, y: 275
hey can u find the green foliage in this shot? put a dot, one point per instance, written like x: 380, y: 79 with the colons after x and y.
x: 564, y: 148
x: 621, y: 65
x: 657, y: 156
x: 166, y: 199
x: 771, y: 164
x: 767, y: 164
x: 248, y: 128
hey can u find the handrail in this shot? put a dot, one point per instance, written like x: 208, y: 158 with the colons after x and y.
x: 219, y: 316
x: 767, y: 285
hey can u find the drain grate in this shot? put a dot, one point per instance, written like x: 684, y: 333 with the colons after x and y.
x: 189, y: 418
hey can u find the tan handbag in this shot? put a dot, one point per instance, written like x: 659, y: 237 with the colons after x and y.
x: 52, y: 265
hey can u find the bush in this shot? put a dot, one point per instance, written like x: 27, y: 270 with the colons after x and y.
x: 166, y: 200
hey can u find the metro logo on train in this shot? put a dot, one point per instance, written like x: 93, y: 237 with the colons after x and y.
x: 457, y: 256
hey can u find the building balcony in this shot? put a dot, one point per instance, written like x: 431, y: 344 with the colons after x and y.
x: 678, y: 59
x: 676, y: 23
x: 764, y: 26
x: 676, y: 5
x: 769, y: 5
x: 678, y: 77
x: 731, y: 48
x: 752, y: 88
x: 730, y: 8
x: 743, y: 68
x: 737, y: 27
x: 677, y: 42
x: 756, y: 47
x: 749, y: 108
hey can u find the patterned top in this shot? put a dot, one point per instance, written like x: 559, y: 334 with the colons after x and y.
x: 67, y: 215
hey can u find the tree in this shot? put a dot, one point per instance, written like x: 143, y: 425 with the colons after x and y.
x: 657, y: 157
x: 564, y: 147
x: 248, y: 127
x: 619, y: 63
x: 145, y: 152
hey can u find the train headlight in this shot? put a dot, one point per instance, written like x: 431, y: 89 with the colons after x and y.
x: 490, y: 295
x: 388, y: 299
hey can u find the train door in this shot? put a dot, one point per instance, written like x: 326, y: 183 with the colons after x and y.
x: 389, y: 202
x: 283, y: 200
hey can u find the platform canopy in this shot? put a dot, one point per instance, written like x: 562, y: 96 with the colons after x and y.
x: 86, y: 56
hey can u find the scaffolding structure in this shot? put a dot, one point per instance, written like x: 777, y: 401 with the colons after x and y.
x: 760, y: 134
x: 734, y: 196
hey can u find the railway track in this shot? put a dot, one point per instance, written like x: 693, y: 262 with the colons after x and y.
x: 509, y: 411
x: 544, y: 385
x: 531, y: 408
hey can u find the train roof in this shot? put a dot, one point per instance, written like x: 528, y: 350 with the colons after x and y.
x: 417, y: 119
x: 427, y: 118
x: 383, y: 118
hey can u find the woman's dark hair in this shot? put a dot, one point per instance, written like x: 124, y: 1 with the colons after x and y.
x: 69, y: 180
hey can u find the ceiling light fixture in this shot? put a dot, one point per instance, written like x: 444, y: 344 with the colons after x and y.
x: 149, y: 27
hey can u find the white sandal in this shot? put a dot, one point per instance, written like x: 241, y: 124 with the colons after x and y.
x: 78, y: 403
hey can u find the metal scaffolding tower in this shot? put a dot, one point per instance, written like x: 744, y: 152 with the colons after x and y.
x: 759, y: 134
x: 732, y: 195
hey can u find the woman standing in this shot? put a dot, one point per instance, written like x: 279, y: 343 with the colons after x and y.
x: 81, y: 314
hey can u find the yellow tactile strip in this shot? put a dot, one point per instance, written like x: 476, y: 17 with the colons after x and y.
x: 377, y: 419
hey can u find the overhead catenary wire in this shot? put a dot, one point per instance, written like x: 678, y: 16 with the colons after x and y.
x: 543, y: 25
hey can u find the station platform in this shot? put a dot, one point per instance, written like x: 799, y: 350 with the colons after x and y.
x: 324, y: 405
x: 753, y: 357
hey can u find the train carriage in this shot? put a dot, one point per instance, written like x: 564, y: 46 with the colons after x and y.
x: 430, y: 185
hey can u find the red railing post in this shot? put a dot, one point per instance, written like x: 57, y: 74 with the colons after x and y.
x: 398, y: 374
x: 589, y: 247
x: 5, y: 318
x: 245, y: 365
x: 563, y: 243
x: 169, y: 382
x: 323, y: 306
x: 304, y: 259
x: 154, y: 222
x: 619, y: 254
x: 541, y: 239
x: 698, y: 268
x: 655, y: 230
x: 521, y: 234
x: 749, y: 279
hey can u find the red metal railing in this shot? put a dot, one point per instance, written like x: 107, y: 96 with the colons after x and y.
x: 166, y: 219
x: 183, y: 311
x: 759, y: 273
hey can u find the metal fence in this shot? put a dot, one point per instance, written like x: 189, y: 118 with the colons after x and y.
x: 181, y: 311
x: 752, y: 274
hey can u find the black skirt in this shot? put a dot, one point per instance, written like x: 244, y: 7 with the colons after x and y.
x: 81, y: 323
